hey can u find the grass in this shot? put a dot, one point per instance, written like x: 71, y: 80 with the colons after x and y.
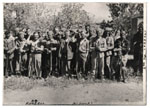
x: 25, y: 83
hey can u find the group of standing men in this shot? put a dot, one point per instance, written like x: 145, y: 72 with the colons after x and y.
x: 80, y: 52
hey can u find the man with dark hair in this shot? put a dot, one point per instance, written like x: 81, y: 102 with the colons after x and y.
x: 47, y: 54
x: 21, y: 59
x: 138, y: 50
x: 35, y: 57
x: 121, y: 48
x: 63, y: 54
x: 56, y: 60
x: 9, y: 47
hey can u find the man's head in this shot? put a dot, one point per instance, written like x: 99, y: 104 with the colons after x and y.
x: 21, y: 35
x: 50, y: 34
x: 93, y: 32
x: 123, y: 34
x: 87, y: 27
x: 36, y: 35
x: 99, y: 32
x: 67, y: 34
x: 109, y: 30
x: 140, y: 27
x: 7, y: 34
x: 28, y: 31
x: 56, y: 30
x: 83, y: 34
x: 72, y: 32
x: 17, y: 30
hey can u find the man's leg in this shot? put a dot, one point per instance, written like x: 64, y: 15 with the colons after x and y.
x: 118, y: 68
x: 123, y: 72
x: 38, y: 65
x: 6, y: 67
x: 24, y: 64
x: 50, y: 64
x: 93, y: 63
x: 83, y: 67
x: 102, y: 68
x: 108, y: 65
x: 11, y: 67
x: 30, y: 70
x: 17, y: 66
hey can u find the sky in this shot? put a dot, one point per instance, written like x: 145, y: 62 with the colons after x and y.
x: 99, y: 10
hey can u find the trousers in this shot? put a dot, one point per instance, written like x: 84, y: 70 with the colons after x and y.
x: 35, y: 65
x: 100, y: 66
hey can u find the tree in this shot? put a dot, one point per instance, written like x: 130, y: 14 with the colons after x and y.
x: 72, y: 14
x: 32, y: 15
x: 40, y: 16
x: 122, y: 14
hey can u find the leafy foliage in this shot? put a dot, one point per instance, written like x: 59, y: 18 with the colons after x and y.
x: 122, y: 14
x: 41, y: 16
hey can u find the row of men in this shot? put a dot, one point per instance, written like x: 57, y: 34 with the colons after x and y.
x: 71, y: 52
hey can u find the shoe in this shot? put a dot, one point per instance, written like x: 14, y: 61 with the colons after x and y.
x: 124, y: 81
x: 6, y: 76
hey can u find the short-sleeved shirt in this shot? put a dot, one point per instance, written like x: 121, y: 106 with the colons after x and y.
x: 34, y: 44
x: 101, y: 45
x: 110, y: 43
x: 9, y: 44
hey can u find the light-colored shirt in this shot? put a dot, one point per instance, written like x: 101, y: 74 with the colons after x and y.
x: 101, y: 46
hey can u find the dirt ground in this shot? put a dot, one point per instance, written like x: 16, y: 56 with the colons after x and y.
x: 22, y: 91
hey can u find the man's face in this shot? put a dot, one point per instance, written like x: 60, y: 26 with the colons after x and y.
x: 83, y: 34
x: 50, y: 35
x: 21, y: 36
x: 36, y: 36
x: 17, y: 30
x: 8, y: 35
x: 118, y: 33
x: 124, y: 34
x: 141, y: 29
x: 108, y: 33
x: 56, y: 30
x: 67, y: 34
x: 28, y: 31
x: 88, y: 28
x: 100, y: 33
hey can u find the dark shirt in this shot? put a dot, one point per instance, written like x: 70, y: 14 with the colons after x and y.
x: 123, y: 44
x: 138, y: 42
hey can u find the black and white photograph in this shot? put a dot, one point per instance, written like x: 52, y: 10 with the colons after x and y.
x: 74, y: 53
